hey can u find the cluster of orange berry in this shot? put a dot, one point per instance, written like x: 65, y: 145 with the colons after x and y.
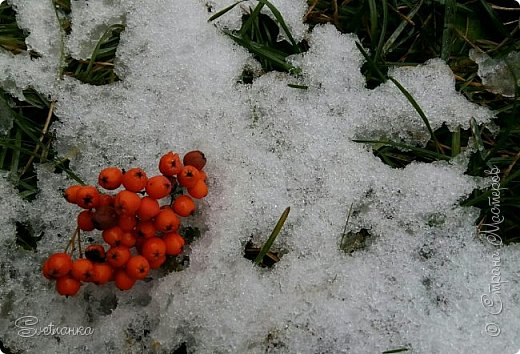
x: 139, y: 231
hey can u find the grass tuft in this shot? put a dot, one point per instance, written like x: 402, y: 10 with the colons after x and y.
x: 259, y: 35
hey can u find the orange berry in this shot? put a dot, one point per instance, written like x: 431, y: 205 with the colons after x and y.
x: 85, y: 221
x: 128, y: 239
x: 158, y: 187
x: 67, y: 286
x: 137, y: 267
x: 149, y: 207
x: 202, y: 175
x: 106, y: 200
x: 145, y: 229
x: 83, y: 269
x: 127, y: 202
x: 113, y: 236
x: 195, y: 158
x: 102, y: 273
x: 118, y: 256
x: 170, y: 164
x: 188, y: 176
x: 184, y: 205
x: 123, y: 281
x: 58, y: 265
x: 199, y: 189
x: 156, y: 263
x: 105, y: 217
x: 70, y: 194
x: 127, y: 222
x: 45, y: 270
x: 87, y: 197
x: 153, y: 249
x: 167, y: 221
x: 95, y: 253
x: 110, y: 178
x: 174, y: 243
x: 135, y: 179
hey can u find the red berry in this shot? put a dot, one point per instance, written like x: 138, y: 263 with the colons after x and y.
x: 67, y: 286
x: 158, y: 187
x: 110, y: 178
x: 135, y: 180
x: 170, y: 164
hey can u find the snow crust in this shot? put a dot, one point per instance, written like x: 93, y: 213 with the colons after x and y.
x: 498, y: 75
x: 417, y: 284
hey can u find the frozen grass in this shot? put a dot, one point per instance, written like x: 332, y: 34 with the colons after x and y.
x: 396, y: 34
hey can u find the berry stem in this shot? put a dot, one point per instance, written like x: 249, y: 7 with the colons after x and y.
x: 72, y: 242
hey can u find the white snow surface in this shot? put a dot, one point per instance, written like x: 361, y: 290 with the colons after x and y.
x: 418, y: 283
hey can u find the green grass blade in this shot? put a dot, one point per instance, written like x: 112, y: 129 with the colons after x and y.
x: 393, y: 37
x: 15, y: 158
x: 371, y: 62
x: 417, y: 150
x: 419, y: 110
x: 265, y: 52
x: 267, y: 245
x: 96, y: 50
x: 224, y: 11
x: 499, y: 26
x: 478, y: 138
x: 248, y: 24
x: 447, y: 33
x: 455, y: 142
x: 282, y: 24
x: 383, y: 31
x: 373, y: 20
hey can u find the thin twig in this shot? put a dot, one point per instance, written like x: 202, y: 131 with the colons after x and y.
x: 510, y: 167
x: 42, y: 136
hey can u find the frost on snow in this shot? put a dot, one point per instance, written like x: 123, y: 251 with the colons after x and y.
x: 418, y: 283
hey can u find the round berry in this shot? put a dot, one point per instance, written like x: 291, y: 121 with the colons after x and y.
x: 67, y: 286
x: 95, y: 253
x: 105, y: 217
x: 127, y: 202
x: 184, y: 205
x: 148, y: 208
x: 153, y: 249
x: 58, y: 265
x: 118, y: 256
x: 170, y: 164
x: 87, y: 197
x: 85, y: 220
x: 188, y: 176
x: 135, y: 179
x: 102, y: 273
x: 83, y: 269
x: 198, y: 190
x: 174, y: 243
x: 137, y: 267
x: 195, y: 158
x: 123, y: 281
x: 110, y: 178
x: 158, y: 187
x: 167, y: 221
x: 70, y: 194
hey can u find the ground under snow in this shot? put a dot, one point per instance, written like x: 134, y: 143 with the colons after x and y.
x: 419, y: 282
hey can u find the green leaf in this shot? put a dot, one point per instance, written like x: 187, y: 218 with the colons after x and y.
x: 267, y: 245
x: 224, y: 11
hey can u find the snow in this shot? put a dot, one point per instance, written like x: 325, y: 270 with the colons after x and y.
x: 498, y: 74
x: 418, y: 282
